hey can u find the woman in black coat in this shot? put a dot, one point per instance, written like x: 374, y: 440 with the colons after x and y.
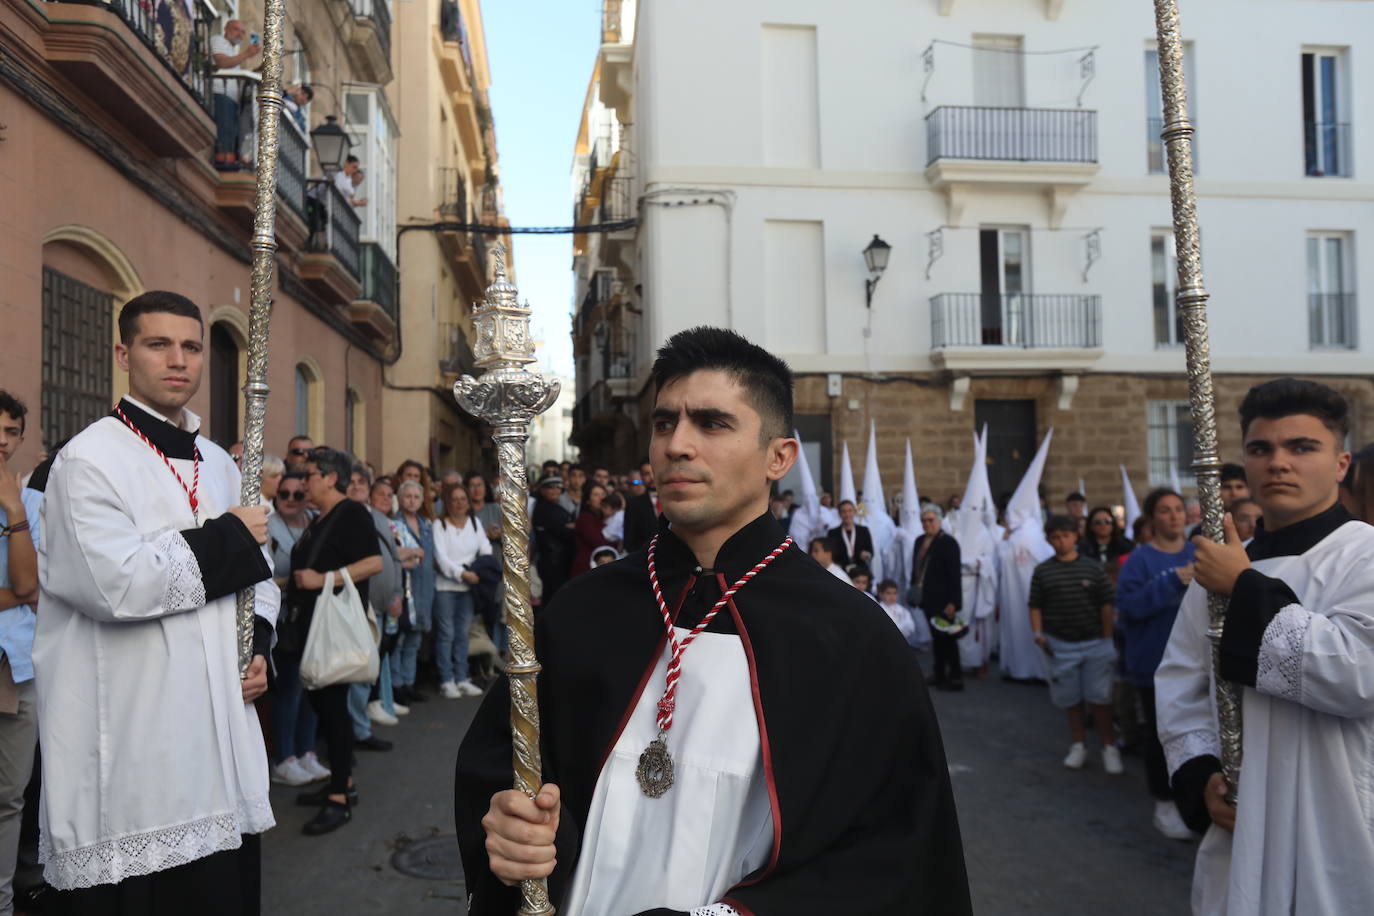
x: 935, y: 578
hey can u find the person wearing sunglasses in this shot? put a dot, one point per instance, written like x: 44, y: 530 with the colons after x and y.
x: 1104, y: 541
x: 298, y: 452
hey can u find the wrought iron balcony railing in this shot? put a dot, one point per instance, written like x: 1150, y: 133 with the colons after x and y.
x: 1332, y: 320
x: 454, y: 202
x: 1057, y: 321
x: 1326, y: 149
x: 1011, y: 134
x: 617, y: 199
x: 334, y: 225
x: 379, y: 11
x: 378, y: 278
x: 181, y: 42
x: 293, y: 146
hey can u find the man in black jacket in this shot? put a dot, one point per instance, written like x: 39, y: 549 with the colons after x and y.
x: 641, y: 510
x: 936, y: 576
x: 850, y: 544
x: 733, y: 786
x: 553, y: 538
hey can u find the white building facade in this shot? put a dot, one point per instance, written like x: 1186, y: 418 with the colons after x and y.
x: 1007, y: 152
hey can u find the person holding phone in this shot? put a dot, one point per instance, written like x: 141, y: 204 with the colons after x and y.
x: 224, y: 51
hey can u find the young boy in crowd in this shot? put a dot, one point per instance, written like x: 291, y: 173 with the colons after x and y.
x: 1071, y: 616
x: 914, y: 627
x: 862, y: 579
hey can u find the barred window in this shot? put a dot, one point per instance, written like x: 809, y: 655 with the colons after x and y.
x: 77, y: 329
x: 1170, y: 442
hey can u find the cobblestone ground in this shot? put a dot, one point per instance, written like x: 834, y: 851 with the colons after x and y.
x: 1038, y: 838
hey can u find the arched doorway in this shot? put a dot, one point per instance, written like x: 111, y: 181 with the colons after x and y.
x: 225, y: 384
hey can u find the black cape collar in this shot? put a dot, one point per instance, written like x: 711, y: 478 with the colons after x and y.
x: 739, y: 554
x: 174, y: 442
x: 1299, y: 537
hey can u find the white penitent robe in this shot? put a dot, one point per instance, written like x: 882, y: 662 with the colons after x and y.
x: 712, y: 828
x: 1018, y: 556
x: 979, y: 579
x: 1300, y: 636
x: 151, y: 759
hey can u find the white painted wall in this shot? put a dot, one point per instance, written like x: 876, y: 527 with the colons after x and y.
x: 731, y: 94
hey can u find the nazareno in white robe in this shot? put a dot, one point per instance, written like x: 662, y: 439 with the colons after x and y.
x: 1304, y: 840
x: 1017, y: 557
x: 151, y: 759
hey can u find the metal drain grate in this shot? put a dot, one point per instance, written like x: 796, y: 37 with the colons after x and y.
x: 434, y: 858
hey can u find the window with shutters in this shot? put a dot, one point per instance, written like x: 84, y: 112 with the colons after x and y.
x: 77, y: 330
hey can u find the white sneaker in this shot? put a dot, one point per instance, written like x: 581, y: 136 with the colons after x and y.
x: 289, y: 773
x: 313, y: 768
x: 449, y: 690
x: 1078, y: 755
x: 1170, y: 823
x: 1111, y: 760
x: 378, y: 714
x: 401, y: 709
x: 469, y: 689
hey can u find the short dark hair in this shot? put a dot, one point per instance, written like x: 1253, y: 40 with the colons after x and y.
x: 350, y: 159
x: 1061, y: 523
x: 474, y: 475
x: 822, y: 541
x: 1284, y: 397
x: 1232, y: 472
x: 360, y: 468
x: 1153, y: 500
x: 766, y: 379
x: 293, y: 475
x: 846, y: 502
x: 886, y: 584
x: 309, y: 93
x: 1075, y: 496
x: 332, y: 461
x: 15, y: 408
x: 152, y: 302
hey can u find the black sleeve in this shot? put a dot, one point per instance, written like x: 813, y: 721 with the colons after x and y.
x: 955, y: 574
x: 262, y: 637
x: 1255, y: 600
x: 228, y: 557
x: 1190, y: 786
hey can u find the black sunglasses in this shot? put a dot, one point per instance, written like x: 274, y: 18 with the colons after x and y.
x: 299, y: 451
x: 292, y: 495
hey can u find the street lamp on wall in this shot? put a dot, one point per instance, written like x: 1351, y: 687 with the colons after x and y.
x: 875, y: 256
x: 331, y: 144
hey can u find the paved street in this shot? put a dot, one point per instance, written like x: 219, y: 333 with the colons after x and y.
x: 1038, y: 838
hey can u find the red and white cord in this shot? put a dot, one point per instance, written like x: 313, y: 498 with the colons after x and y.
x: 668, y: 703
x: 195, y: 481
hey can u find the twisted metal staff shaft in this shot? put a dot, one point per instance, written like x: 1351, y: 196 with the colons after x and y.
x: 522, y: 671
x: 264, y: 245
x: 1192, y: 306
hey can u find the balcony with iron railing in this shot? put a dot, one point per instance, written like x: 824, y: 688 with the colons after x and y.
x: 1047, y: 147
x: 146, y: 65
x: 984, y: 330
x: 453, y: 194
x: 1333, y: 321
x: 617, y: 199
x: 332, y: 262
x: 455, y: 353
x: 374, y: 311
x: 1326, y: 149
x: 237, y: 186
x: 368, y: 35
x: 616, y: 57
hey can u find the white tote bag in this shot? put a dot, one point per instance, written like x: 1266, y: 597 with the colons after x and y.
x: 341, y: 647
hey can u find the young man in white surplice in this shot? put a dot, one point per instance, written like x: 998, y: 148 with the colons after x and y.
x: 136, y: 652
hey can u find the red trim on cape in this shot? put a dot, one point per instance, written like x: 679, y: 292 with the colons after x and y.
x: 644, y: 678
x: 765, y: 746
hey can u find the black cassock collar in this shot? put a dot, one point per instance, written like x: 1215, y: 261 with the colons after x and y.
x: 1299, y: 537
x: 740, y: 553
x: 174, y: 442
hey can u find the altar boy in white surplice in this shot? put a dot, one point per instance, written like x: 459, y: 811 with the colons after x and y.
x: 1299, y: 638
x: 154, y: 771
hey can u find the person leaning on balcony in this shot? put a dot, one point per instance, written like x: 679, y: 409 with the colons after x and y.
x: 224, y: 50
x: 297, y: 97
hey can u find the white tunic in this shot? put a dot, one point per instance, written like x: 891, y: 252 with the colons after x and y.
x: 151, y: 759
x: 1017, y: 558
x: 1304, y: 840
x: 714, y: 826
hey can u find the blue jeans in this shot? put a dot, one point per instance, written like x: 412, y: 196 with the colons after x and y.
x: 294, y: 724
x: 453, y: 616
x: 226, y: 124
x: 405, y: 657
x: 357, y: 710
x: 384, y: 685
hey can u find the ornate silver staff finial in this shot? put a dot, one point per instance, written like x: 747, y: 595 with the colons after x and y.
x: 508, y: 395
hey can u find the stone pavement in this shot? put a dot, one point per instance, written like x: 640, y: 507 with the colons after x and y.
x: 1039, y: 839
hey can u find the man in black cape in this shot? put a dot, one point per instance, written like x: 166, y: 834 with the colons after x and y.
x: 808, y: 771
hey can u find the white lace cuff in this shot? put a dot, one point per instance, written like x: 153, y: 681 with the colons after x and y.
x: 1278, y: 670
x: 715, y: 909
x: 185, y: 588
x: 1179, y: 749
x: 111, y: 861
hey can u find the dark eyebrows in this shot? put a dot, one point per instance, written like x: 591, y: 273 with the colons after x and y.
x: 698, y: 415
x: 1287, y: 443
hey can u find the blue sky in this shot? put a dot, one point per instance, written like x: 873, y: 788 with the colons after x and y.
x: 541, y: 54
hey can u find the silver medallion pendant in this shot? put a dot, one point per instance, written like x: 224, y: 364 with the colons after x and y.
x: 655, y: 770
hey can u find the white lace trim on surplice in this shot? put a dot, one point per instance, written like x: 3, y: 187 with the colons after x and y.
x: 112, y: 861
x: 1179, y: 749
x: 715, y: 909
x: 185, y: 589
x: 1278, y: 670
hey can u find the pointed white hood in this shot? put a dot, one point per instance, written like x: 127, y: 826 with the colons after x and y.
x: 1024, y: 507
x: 846, y: 479
x: 911, y: 500
x: 1129, y: 501
x: 875, y: 502
x: 810, y: 519
x: 976, y: 503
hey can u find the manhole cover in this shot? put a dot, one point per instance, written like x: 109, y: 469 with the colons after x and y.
x: 435, y: 858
